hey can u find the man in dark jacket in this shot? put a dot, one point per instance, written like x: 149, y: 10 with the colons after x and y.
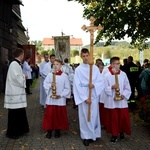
x: 132, y: 70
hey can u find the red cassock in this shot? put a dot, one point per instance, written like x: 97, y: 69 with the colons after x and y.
x: 117, y: 120
x: 55, y: 118
x: 102, y: 111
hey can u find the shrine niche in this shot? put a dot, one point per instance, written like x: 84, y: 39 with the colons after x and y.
x: 62, y: 47
x: 29, y: 51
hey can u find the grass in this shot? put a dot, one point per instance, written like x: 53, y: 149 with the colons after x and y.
x: 33, y: 83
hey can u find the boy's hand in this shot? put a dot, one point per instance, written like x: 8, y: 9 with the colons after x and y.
x: 58, y: 96
x: 115, y: 86
x: 91, y: 86
x: 122, y: 96
x: 88, y: 101
x: 53, y: 84
x: 26, y: 76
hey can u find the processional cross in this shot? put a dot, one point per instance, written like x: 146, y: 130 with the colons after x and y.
x: 91, y: 29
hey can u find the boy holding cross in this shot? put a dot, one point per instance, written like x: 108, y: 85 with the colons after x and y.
x: 89, y: 130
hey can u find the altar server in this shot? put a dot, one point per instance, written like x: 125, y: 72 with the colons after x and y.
x: 117, y: 113
x: 88, y: 130
x: 49, y: 66
x: 55, y: 117
x: 42, y: 91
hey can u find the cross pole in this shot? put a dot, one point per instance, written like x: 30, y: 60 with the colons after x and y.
x: 91, y: 29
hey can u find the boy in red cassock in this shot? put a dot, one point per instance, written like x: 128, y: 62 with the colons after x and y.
x: 117, y: 113
x: 55, y: 117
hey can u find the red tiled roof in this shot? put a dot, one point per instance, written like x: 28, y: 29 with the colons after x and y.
x: 48, y: 41
x: 73, y: 41
x: 76, y: 41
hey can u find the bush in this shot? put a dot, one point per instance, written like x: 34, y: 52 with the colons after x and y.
x: 74, y: 52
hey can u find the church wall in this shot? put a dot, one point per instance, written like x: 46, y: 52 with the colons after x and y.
x: 5, y: 35
x: 8, y: 32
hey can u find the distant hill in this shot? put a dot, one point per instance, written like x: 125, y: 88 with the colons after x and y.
x: 114, y: 43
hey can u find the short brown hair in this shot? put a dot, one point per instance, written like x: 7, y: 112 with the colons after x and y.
x: 84, y: 50
x: 27, y: 57
x: 66, y: 60
x: 52, y: 55
x: 114, y: 59
x: 18, y: 52
x: 45, y: 54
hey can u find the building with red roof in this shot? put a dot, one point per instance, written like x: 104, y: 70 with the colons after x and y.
x: 75, y: 43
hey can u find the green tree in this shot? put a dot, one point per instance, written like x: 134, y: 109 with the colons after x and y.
x: 108, y: 54
x: 42, y: 52
x: 74, y: 53
x: 53, y: 51
x: 50, y: 52
x: 38, y: 44
x: 120, y: 18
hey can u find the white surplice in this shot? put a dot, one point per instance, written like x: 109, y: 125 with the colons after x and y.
x: 15, y: 96
x: 62, y: 87
x: 67, y: 69
x: 42, y: 91
x: 103, y: 95
x: 27, y: 69
x: 125, y: 90
x: 47, y: 69
x: 92, y: 129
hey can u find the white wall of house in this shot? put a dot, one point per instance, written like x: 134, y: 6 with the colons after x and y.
x: 48, y: 47
x: 75, y: 47
x: 72, y: 47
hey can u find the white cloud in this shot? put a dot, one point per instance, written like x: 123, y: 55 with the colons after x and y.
x: 47, y: 18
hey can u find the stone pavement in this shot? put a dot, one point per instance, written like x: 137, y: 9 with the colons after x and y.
x: 35, y: 140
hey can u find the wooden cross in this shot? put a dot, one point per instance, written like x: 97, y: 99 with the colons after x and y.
x: 91, y: 29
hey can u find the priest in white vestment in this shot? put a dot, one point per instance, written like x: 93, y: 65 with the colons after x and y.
x: 42, y: 91
x: 15, y: 98
x: 66, y: 68
x: 27, y: 70
x: 88, y: 130
x: 49, y: 66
